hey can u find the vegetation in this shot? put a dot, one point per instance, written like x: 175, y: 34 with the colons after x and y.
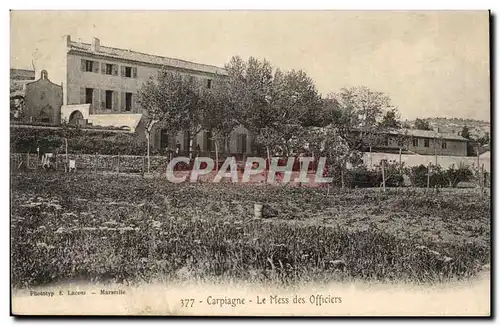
x: 148, y: 230
x: 27, y: 140
x: 436, y: 176
x: 422, y: 124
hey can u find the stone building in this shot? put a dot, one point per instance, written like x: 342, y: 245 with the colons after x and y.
x: 43, y: 101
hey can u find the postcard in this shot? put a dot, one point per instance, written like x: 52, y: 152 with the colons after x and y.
x: 250, y: 163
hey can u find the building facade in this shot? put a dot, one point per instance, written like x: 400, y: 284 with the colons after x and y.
x: 43, y: 100
x: 100, y: 86
x: 422, y: 142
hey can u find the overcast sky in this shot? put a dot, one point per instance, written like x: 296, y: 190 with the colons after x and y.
x: 430, y: 63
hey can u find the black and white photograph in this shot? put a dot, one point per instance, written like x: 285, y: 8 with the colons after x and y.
x: 250, y: 163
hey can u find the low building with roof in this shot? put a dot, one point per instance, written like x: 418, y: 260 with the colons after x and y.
x: 421, y: 142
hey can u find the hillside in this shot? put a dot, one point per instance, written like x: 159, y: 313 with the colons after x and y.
x: 477, y: 128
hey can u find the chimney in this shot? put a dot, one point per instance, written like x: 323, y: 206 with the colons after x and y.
x: 68, y: 40
x: 96, y: 45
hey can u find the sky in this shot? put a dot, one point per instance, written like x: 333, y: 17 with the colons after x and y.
x: 430, y: 63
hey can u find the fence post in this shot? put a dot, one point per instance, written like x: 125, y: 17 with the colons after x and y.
x: 67, y: 157
x: 482, y: 181
x: 143, y: 163
x: 383, y: 175
x: 428, y: 175
x: 28, y: 160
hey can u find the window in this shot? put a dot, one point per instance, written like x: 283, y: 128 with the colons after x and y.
x: 426, y: 142
x: 109, y: 100
x: 89, y: 92
x: 89, y: 65
x: 109, y: 69
x: 128, y: 101
x: 443, y: 144
x: 209, y: 83
x: 415, y: 142
x: 130, y: 72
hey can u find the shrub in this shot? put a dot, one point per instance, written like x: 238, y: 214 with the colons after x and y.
x: 25, y: 140
x: 418, y: 176
x: 361, y: 177
x: 455, y: 175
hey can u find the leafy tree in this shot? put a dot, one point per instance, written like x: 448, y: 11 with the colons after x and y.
x: 465, y: 132
x: 455, y: 175
x: 358, y: 111
x: 422, y: 124
x: 329, y: 143
x: 485, y: 140
x: 173, y: 101
x: 221, y: 115
x: 391, y: 120
x: 275, y: 106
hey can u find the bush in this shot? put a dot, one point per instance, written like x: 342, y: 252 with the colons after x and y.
x: 456, y: 175
x: 25, y: 140
x: 362, y: 177
x: 438, y: 177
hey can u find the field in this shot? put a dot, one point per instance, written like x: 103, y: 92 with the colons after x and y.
x: 105, y: 228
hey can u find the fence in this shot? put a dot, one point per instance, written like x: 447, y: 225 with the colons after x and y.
x: 376, y: 176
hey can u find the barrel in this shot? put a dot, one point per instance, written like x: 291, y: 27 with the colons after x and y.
x: 257, y: 207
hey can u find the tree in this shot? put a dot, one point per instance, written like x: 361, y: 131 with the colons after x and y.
x: 391, y: 120
x: 465, y: 132
x: 173, y: 101
x: 295, y: 103
x: 473, y: 145
x: 275, y: 106
x: 403, y: 139
x: 221, y: 114
x: 422, y: 124
x: 329, y: 143
x: 358, y: 112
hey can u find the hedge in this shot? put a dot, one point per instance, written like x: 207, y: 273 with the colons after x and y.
x: 24, y: 140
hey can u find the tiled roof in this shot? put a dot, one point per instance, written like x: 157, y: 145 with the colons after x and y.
x: 146, y: 58
x: 426, y: 134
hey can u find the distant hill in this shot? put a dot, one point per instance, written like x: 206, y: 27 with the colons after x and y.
x: 477, y: 128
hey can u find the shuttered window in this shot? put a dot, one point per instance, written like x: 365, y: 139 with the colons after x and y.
x: 89, y: 66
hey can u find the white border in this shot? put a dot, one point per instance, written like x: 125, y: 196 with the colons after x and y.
x: 191, y: 5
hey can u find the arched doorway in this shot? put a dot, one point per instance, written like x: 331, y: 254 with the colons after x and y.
x: 74, y: 117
